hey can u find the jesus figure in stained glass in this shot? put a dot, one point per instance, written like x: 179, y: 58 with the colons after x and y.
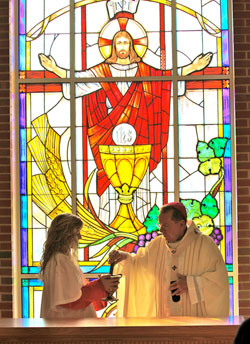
x: 144, y: 105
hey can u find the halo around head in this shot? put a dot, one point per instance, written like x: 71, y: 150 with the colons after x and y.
x: 136, y: 31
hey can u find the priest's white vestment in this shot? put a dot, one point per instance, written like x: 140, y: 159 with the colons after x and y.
x: 144, y: 287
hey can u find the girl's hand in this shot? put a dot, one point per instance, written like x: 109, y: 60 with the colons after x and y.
x: 110, y: 283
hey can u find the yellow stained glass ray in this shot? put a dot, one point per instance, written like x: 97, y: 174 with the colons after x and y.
x: 41, y: 193
x: 37, y: 150
x: 53, y: 144
x: 41, y: 126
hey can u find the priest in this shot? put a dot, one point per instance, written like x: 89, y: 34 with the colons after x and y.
x: 180, y: 273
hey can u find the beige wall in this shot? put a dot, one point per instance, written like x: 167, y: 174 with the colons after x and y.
x: 242, y: 97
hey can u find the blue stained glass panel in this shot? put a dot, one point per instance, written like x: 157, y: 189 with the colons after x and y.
x: 25, y: 302
x: 28, y: 288
x: 101, y: 270
x: 228, y: 209
x: 228, y: 152
x: 23, y: 150
x: 229, y: 267
x: 24, y: 215
x: 227, y: 131
x: 22, y: 52
x: 224, y: 14
x: 34, y: 269
x: 35, y: 283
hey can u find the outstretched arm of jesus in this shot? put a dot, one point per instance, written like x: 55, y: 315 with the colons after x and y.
x: 50, y: 64
x: 82, y: 88
x: 199, y: 63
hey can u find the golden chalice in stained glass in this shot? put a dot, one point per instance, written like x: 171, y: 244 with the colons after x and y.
x: 125, y: 166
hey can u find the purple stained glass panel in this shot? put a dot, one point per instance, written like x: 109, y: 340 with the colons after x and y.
x: 229, y: 245
x: 23, y: 178
x: 22, y: 17
x: 22, y: 110
x: 225, y: 48
x: 231, y: 298
x: 228, y: 174
x: 24, y: 246
x: 226, y: 106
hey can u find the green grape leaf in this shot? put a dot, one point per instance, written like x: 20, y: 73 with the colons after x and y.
x: 192, y: 207
x: 218, y: 144
x: 209, y: 206
x: 152, y: 220
x: 204, y: 152
x: 211, y: 166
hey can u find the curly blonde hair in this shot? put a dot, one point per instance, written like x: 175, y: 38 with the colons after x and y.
x: 62, y: 236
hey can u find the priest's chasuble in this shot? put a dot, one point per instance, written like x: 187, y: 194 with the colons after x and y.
x: 144, y: 288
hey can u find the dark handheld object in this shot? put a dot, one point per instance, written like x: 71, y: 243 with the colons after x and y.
x: 111, y: 268
x: 110, y: 297
x: 175, y: 298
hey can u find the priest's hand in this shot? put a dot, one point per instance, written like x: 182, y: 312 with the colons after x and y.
x: 117, y: 256
x: 180, y: 285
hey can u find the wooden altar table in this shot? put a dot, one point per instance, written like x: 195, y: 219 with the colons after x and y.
x: 172, y: 330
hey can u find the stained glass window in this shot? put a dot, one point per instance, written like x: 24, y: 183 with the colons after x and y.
x: 119, y: 113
